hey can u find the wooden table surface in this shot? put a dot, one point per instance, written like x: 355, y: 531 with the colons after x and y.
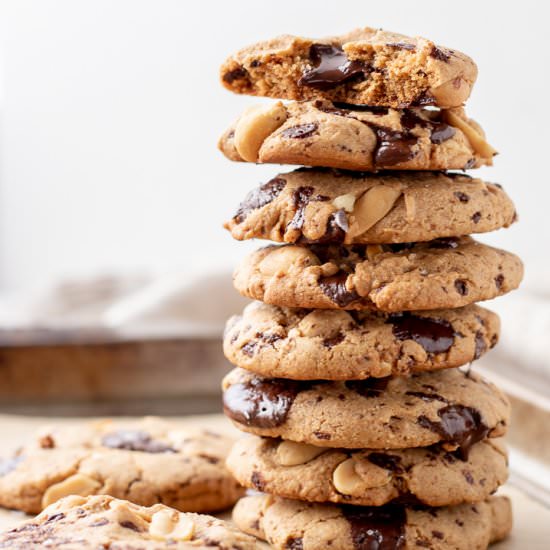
x: 532, y: 520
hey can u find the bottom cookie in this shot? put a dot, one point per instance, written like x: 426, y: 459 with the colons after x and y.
x: 105, y: 522
x: 292, y: 524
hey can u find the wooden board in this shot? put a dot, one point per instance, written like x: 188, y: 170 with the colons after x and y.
x: 532, y: 520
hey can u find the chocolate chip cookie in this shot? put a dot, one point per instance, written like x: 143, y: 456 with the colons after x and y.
x: 353, y: 137
x: 443, y: 273
x: 430, y: 476
x: 450, y: 406
x: 291, y: 524
x: 145, y: 462
x: 312, y: 344
x: 366, y: 66
x: 314, y: 206
x: 77, y: 522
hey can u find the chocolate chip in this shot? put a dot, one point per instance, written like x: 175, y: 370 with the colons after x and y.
x: 438, y: 53
x: 300, y: 131
x: 259, y: 197
x: 330, y: 67
x: 376, y: 528
x: 461, y: 287
x: 99, y: 522
x: 129, y: 525
x: 55, y: 517
x: 468, y: 477
x: 476, y: 217
x: 499, y: 280
x: 335, y: 288
x: 401, y: 45
x: 441, y: 132
x: 462, y: 197
x: 435, y: 335
x: 386, y: 461
x: 294, y: 544
x: 438, y: 535
x: 369, y: 387
x: 333, y: 340
x: 459, y: 425
x: 258, y: 481
x: 300, y: 197
x: 255, y: 63
x: 444, y: 242
x: 239, y: 73
x: 480, y: 346
x: 135, y: 440
x: 322, y: 435
x: 261, y: 402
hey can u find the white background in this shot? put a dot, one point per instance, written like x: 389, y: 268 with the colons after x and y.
x: 111, y: 110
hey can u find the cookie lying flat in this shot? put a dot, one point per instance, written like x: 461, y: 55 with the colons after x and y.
x: 448, y: 406
x: 324, y: 206
x: 366, y: 66
x: 321, y: 133
x: 291, y: 524
x: 145, y: 462
x: 430, y: 476
x: 444, y: 273
x: 104, y: 522
x: 324, y: 344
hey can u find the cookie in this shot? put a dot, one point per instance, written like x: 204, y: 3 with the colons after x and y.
x: 95, y: 522
x: 430, y: 476
x: 145, y: 462
x: 449, y: 406
x: 331, y: 206
x: 443, y: 273
x: 291, y: 524
x: 324, y: 344
x: 353, y: 137
x: 365, y: 66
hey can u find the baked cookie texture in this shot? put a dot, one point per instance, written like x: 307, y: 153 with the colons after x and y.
x: 366, y: 66
x: 450, y: 406
x: 77, y: 522
x: 430, y: 476
x: 301, y: 525
x: 316, y: 206
x: 444, y: 273
x: 145, y: 462
x: 353, y: 137
x: 324, y: 344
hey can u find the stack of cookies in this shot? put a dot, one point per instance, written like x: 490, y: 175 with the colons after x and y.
x: 366, y: 434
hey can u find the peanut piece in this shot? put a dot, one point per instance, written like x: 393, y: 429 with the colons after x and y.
x: 281, y: 259
x: 290, y: 453
x: 410, y: 207
x: 344, y: 202
x: 477, y: 141
x: 371, y: 207
x: 345, y: 478
x: 254, y: 126
x: 166, y: 524
x: 77, y: 484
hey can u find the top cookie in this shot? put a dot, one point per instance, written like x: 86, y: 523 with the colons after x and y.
x: 366, y: 66
x: 357, y: 137
x: 105, y: 522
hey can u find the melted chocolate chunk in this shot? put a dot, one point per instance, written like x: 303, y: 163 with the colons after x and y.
x: 376, y: 528
x: 294, y: 544
x: 370, y: 387
x: 335, y: 288
x: 438, y: 53
x: 259, y: 197
x: 461, y: 287
x: 462, y: 197
x: 444, y: 242
x: 239, y: 73
x: 480, y: 346
x: 301, y: 198
x: 334, y: 340
x: 459, y: 425
x: 330, y: 67
x: 433, y: 334
x: 9, y: 464
x: 393, y: 147
x: 363, y: 108
x: 388, y: 462
x: 135, y: 440
x: 261, y: 402
x: 300, y: 131
x: 441, y: 132
x: 476, y: 217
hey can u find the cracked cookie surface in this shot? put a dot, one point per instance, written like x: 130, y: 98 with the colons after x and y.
x: 365, y: 66
x: 444, y: 273
x: 333, y: 206
x: 305, y: 344
x: 291, y: 524
x: 430, y: 476
x: 77, y: 522
x: 322, y: 133
x: 146, y: 462
x: 451, y: 406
